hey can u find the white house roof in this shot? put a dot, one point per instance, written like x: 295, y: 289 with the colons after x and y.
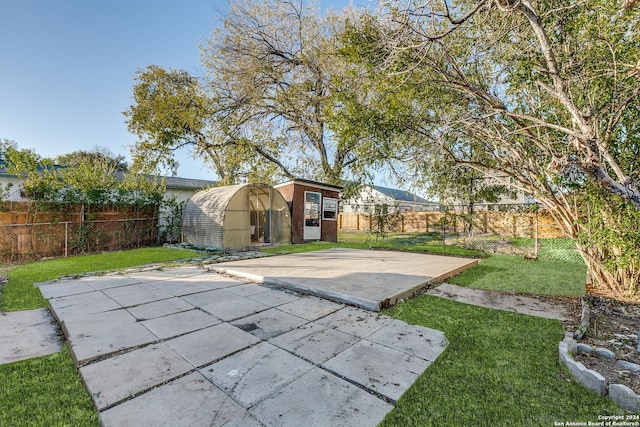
x: 400, y: 195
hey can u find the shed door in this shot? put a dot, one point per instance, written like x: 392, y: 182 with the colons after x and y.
x: 311, y: 215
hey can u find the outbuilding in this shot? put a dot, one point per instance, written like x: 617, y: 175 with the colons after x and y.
x: 236, y: 216
x: 314, y: 210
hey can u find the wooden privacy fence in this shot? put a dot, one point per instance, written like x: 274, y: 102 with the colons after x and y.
x: 54, y: 239
x: 30, y: 231
x: 514, y: 224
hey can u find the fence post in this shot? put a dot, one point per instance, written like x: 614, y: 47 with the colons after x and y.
x: 66, y: 238
x: 536, y: 236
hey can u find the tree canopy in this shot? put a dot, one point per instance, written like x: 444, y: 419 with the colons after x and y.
x: 265, y: 104
x: 544, y: 92
x: 92, y: 177
x: 79, y: 157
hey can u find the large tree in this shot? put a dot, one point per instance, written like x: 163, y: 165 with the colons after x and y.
x: 545, y: 92
x: 265, y: 102
x: 78, y: 157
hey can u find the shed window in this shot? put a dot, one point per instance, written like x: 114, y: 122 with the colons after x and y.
x: 329, y: 208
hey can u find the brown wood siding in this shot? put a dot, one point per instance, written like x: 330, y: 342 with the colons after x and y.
x: 293, y: 193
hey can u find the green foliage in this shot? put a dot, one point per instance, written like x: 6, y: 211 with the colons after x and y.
x: 609, y: 233
x: 94, y: 179
x: 21, y: 294
x: 172, y: 110
x: 39, y: 176
x: 544, y: 93
x: 98, y: 155
x: 45, y: 391
x: 5, y: 190
x: 90, y: 180
x: 384, y: 219
x: 500, y: 368
x: 169, y: 110
x: 172, y: 212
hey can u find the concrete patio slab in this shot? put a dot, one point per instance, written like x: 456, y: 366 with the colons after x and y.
x: 310, y: 308
x: 109, y: 281
x: 121, y: 377
x: 154, y: 274
x: 370, y: 279
x: 109, y: 340
x: 188, y: 401
x: 235, y: 308
x: 271, y: 356
x: 27, y: 334
x: 502, y: 301
x: 80, y: 325
x: 320, y: 399
x: 210, y: 297
x: 157, y: 309
x: 415, y: 340
x: 181, y: 287
x: 82, y: 304
x: 182, y: 270
x: 275, y: 297
x: 247, y: 290
x: 314, y: 342
x: 132, y: 295
x: 253, y: 374
x: 269, y: 323
x: 379, y: 368
x: 208, y: 345
x: 355, y: 321
x: 180, y: 323
x: 64, y: 288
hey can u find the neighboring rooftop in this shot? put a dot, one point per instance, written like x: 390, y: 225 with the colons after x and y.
x: 173, y: 182
x: 4, y: 165
x: 400, y: 195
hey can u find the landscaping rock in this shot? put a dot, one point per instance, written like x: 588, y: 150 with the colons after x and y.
x: 585, y: 348
x: 564, y: 353
x: 626, y: 398
x: 605, y: 353
x: 572, y: 346
x: 588, y: 378
x: 634, y: 367
x: 594, y: 381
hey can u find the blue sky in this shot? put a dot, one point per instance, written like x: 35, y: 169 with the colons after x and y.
x: 67, y: 66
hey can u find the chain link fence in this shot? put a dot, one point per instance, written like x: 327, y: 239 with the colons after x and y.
x: 37, y: 230
x: 23, y: 242
x: 507, y: 229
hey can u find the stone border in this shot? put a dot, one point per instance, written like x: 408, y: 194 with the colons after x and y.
x: 622, y: 395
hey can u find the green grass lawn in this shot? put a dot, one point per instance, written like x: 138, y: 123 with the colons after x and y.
x: 45, y: 391
x: 546, y: 276
x: 20, y: 294
x: 48, y: 391
x: 418, y: 243
x: 500, y: 369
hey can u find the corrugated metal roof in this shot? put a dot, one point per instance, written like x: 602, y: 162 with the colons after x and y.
x: 212, y: 201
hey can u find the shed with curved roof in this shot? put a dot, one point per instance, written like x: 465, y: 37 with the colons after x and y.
x: 236, y: 216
